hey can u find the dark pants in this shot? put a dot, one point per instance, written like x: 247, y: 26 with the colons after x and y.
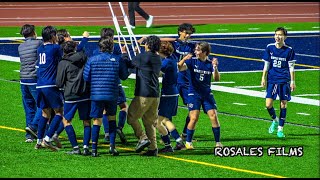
x: 33, y: 114
x: 132, y: 7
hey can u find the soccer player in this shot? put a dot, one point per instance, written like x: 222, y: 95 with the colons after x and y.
x: 28, y: 79
x: 279, y: 59
x: 63, y: 36
x: 199, y: 92
x: 103, y: 71
x: 146, y: 97
x: 182, y: 47
x: 122, y: 100
x: 76, y: 94
x: 49, y: 96
x: 169, y: 98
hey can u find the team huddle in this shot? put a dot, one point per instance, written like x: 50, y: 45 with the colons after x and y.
x: 58, y: 79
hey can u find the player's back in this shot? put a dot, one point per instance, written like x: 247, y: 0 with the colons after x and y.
x: 49, y: 56
x: 169, y: 81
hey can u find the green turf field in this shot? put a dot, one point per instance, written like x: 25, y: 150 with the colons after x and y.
x: 244, y: 124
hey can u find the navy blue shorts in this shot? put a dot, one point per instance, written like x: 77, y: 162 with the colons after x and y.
x: 122, y: 96
x: 183, y: 91
x: 50, y: 97
x: 168, y: 106
x: 83, y: 108
x: 196, y: 101
x: 281, y: 90
x: 97, y: 108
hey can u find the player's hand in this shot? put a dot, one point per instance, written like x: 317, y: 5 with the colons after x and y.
x: 215, y: 62
x: 188, y: 56
x: 263, y: 83
x: 85, y: 34
x: 124, y: 49
x: 292, y: 86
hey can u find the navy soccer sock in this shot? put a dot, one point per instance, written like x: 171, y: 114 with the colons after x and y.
x: 71, y: 135
x: 186, y: 125
x: 122, y: 119
x: 112, y: 131
x: 54, y: 125
x: 95, y: 136
x: 60, y: 129
x: 105, y: 123
x: 283, y: 114
x: 189, y: 135
x: 216, y: 133
x: 166, y: 140
x: 86, y: 135
x: 42, y: 127
x: 175, y: 134
x: 272, y: 113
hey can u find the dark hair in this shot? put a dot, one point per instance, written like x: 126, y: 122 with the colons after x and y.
x: 48, y: 33
x: 106, y: 32
x: 285, y: 32
x: 69, y: 47
x: 153, y: 43
x: 186, y: 27
x: 166, y: 48
x: 61, y: 34
x: 205, y: 47
x: 106, y: 44
x: 27, y: 30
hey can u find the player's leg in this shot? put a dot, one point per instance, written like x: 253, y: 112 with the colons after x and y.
x: 69, y: 111
x: 285, y: 96
x: 164, y: 135
x: 105, y: 123
x: 210, y: 108
x: 122, y: 114
x: 97, y: 108
x: 111, y: 108
x: 271, y: 95
x: 84, y: 114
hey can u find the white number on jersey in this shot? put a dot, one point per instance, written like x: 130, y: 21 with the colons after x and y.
x: 201, y: 77
x: 42, y: 58
x: 276, y: 63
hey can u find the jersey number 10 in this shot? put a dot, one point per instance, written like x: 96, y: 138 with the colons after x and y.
x: 42, y: 58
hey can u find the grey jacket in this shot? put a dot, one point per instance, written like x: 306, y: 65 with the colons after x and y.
x: 28, y: 58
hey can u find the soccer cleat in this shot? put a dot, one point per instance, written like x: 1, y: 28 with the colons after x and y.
x: 151, y: 153
x: 49, y: 145
x: 149, y: 21
x: 280, y: 134
x: 75, y: 151
x: 166, y: 149
x: 86, y: 152
x: 132, y: 27
x: 107, y: 139
x: 113, y: 151
x: 189, y: 146
x: 94, y: 153
x: 57, y: 141
x: 218, y: 144
x: 32, y: 131
x: 273, y: 127
x: 180, y: 146
x: 142, y: 144
x: 122, y: 136
x: 38, y: 146
x: 29, y: 140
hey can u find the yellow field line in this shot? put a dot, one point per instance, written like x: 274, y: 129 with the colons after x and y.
x: 175, y: 158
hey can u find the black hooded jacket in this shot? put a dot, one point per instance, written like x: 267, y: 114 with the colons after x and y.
x: 67, y: 75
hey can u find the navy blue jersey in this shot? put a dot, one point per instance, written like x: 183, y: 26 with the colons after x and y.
x: 279, y: 63
x: 200, y: 76
x: 169, y: 79
x: 181, y: 49
x: 49, y: 56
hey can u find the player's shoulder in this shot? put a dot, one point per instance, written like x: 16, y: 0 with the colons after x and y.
x: 271, y: 45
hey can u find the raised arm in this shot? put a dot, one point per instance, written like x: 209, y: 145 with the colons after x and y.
x: 216, y: 74
x: 182, y: 65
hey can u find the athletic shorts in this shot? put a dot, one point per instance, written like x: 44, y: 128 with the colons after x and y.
x: 183, y: 91
x: 281, y: 90
x: 83, y: 108
x: 168, y: 106
x: 122, y: 96
x: 49, y: 97
x: 97, y: 108
x: 196, y: 101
